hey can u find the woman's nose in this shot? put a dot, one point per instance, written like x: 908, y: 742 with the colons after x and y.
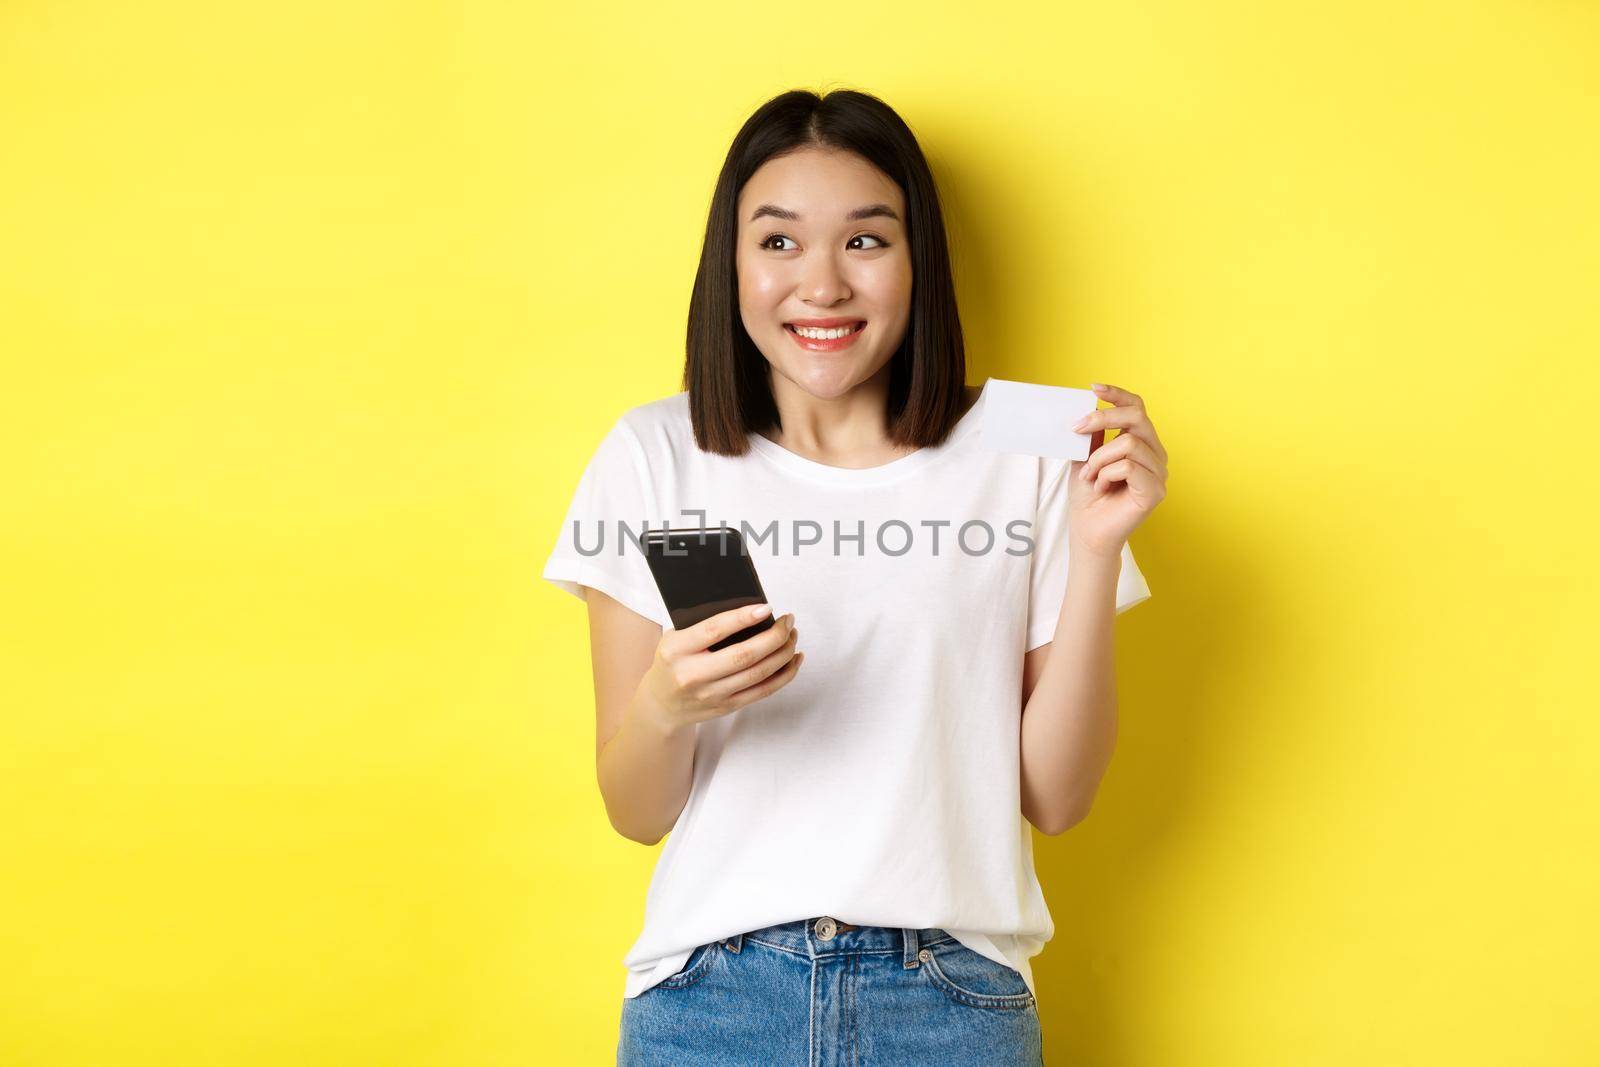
x: 823, y: 282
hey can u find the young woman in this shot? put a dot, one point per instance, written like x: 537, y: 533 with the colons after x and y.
x: 850, y: 867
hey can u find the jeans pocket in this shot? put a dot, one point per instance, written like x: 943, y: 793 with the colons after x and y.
x: 971, y: 978
x: 696, y: 967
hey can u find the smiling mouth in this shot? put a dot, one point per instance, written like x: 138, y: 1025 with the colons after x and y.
x: 857, y: 328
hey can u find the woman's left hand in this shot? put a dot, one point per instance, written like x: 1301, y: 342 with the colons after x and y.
x: 1117, y: 487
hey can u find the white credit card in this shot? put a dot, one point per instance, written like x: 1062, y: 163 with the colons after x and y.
x: 1036, y: 419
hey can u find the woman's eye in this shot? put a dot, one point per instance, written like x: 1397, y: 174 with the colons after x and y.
x: 871, y: 237
x: 775, y: 237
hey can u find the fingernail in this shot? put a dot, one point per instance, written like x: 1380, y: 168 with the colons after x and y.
x: 760, y: 611
x: 1096, y: 386
x: 1080, y: 425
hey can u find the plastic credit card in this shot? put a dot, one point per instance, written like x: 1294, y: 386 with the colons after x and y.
x: 1037, y: 419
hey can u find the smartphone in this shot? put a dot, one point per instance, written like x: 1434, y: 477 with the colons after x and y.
x: 701, y: 572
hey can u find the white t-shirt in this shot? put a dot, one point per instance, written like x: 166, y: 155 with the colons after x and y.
x: 881, y: 786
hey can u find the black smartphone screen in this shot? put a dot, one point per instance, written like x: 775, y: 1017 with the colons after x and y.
x: 702, y: 572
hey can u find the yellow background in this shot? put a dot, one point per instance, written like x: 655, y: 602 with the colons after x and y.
x: 312, y: 313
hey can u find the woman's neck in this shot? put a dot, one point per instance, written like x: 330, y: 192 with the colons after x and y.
x: 850, y: 430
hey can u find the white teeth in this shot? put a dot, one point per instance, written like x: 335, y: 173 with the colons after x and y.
x: 823, y: 335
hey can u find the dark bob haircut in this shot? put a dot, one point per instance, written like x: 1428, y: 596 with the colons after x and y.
x: 725, y: 374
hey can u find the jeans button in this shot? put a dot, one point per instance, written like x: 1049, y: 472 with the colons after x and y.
x: 825, y: 929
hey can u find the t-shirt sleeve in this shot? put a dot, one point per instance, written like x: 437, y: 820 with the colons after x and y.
x: 1047, y: 582
x: 593, y: 551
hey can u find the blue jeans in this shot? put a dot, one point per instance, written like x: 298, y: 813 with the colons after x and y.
x: 789, y: 994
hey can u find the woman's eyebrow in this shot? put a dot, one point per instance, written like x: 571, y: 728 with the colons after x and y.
x: 870, y: 211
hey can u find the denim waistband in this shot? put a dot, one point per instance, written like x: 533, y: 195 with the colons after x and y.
x: 803, y: 937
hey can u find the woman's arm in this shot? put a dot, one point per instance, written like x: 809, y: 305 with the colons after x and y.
x: 1069, y: 699
x: 653, y: 689
x: 1069, y: 696
x: 643, y: 765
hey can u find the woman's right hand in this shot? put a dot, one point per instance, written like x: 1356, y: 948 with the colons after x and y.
x: 687, y: 683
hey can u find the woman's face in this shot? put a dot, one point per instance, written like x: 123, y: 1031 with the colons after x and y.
x: 804, y: 258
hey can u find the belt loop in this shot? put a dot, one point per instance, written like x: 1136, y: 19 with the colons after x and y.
x: 910, y: 937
